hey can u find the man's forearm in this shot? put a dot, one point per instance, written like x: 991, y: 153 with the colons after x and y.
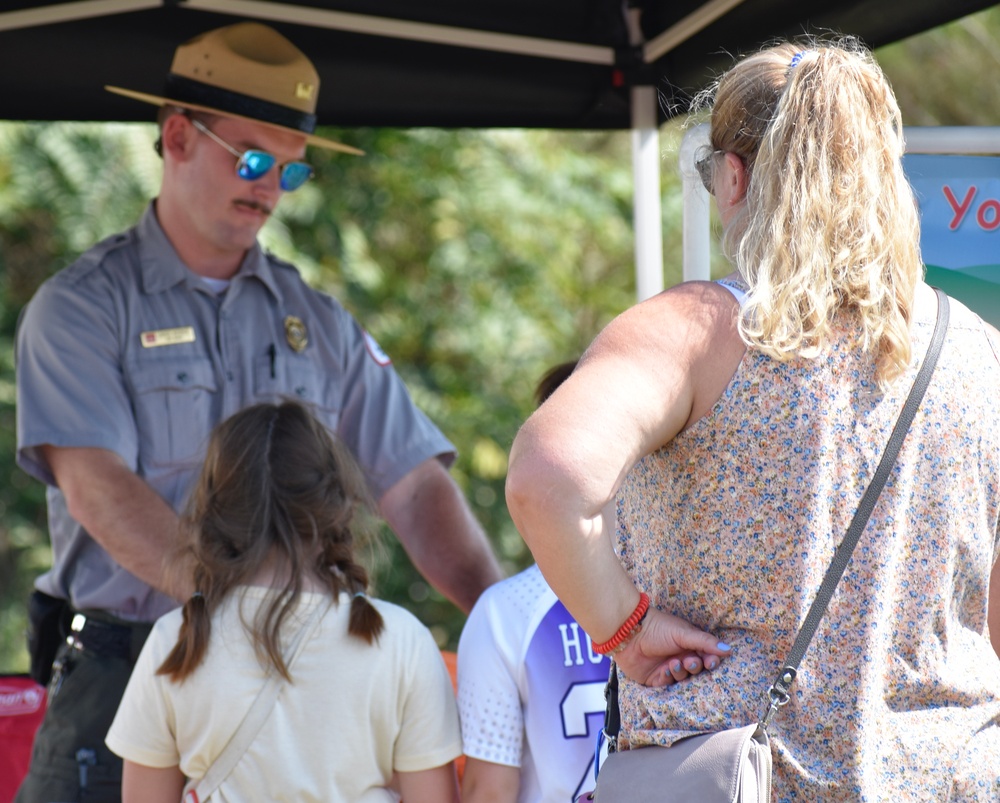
x: 458, y: 562
x: 444, y: 540
x: 120, y: 511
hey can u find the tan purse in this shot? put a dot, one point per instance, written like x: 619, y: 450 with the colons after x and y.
x: 731, y: 765
x: 734, y: 766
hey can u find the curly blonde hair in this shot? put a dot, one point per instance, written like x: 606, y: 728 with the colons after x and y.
x: 830, y: 222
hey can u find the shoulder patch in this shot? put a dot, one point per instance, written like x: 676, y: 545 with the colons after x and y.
x: 375, y: 350
x: 93, y: 257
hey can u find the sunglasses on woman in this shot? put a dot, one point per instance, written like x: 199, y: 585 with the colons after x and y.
x: 706, y: 169
x: 254, y: 164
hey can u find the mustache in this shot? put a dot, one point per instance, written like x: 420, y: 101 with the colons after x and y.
x: 256, y: 206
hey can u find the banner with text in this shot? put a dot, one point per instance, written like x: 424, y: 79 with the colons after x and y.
x: 959, y: 198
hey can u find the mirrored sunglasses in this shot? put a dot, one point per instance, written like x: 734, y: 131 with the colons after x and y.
x: 254, y: 164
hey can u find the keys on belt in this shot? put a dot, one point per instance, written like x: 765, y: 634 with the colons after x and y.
x: 118, y: 639
x: 105, y: 638
x: 59, y: 670
x: 90, y: 634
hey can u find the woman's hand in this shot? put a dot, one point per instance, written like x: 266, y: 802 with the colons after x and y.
x: 669, y: 649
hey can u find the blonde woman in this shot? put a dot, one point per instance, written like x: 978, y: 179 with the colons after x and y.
x: 713, y: 444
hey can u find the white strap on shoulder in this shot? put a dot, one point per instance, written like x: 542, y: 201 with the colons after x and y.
x: 257, y: 714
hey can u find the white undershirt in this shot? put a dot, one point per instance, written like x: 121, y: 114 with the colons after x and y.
x: 217, y: 286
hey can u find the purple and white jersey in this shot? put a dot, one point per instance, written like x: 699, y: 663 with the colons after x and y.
x: 531, y: 689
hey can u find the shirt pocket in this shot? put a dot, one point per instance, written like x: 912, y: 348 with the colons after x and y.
x: 175, y: 401
x: 278, y: 379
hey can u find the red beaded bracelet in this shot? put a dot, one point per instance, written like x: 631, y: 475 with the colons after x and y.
x: 627, y: 629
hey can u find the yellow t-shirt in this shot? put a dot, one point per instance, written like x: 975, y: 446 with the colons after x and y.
x: 352, y: 716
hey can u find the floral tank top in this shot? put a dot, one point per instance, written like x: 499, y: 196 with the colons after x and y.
x: 733, y: 524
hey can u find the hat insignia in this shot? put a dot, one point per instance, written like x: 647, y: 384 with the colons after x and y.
x: 304, y: 91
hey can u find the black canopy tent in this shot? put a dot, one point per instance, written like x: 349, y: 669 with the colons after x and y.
x: 450, y: 63
x: 583, y: 64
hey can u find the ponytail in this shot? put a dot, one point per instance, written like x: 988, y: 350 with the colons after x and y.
x: 192, y: 640
x: 365, y: 622
x: 829, y: 222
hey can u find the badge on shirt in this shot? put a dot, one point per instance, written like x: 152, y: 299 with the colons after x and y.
x: 167, y: 337
x: 296, y: 333
x: 375, y: 350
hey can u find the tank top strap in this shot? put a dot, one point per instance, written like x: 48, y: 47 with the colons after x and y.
x: 736, y: 287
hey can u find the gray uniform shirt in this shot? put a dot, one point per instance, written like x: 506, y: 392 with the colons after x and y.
x: 130, y: 351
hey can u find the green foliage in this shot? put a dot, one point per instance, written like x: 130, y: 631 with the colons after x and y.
x: 945, y: 76
x: 477, y: 259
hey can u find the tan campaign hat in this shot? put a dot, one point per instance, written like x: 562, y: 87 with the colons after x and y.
x: 249, y: 71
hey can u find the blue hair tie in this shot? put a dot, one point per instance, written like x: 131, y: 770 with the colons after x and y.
x: 796, y: 59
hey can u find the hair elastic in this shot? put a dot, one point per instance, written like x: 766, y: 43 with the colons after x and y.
x: 359, y: 594
x: 796, y: 59
x: 197, y: 595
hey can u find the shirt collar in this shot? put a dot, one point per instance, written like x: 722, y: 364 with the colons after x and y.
x: 162, y: 269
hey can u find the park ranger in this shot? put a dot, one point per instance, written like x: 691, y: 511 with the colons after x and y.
x: 127, y: 359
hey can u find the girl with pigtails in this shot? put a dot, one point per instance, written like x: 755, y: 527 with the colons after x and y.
x: 364, y: 709
x: 684, y: 491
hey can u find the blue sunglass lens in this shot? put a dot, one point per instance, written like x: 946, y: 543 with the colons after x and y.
x: 294, y: 175
x: 254, y: 164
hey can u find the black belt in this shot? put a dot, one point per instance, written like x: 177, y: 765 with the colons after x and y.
x: 103, y: 635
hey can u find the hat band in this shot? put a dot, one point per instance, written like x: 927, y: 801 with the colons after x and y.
x: 225, y: 100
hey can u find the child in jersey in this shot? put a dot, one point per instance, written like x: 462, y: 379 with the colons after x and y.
x: 530, y: 688
x: 366, y: 709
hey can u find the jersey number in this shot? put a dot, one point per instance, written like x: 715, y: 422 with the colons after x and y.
x: 582, y: 700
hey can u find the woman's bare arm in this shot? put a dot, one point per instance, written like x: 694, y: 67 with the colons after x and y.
x: 651, y: 373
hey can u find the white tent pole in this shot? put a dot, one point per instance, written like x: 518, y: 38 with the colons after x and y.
x: 646, y: 193
x: 66, y: 12
x: 406, y: 29
x: 647, y: 219
x: 696, y: 229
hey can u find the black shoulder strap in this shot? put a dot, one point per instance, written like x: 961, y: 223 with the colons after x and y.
x: 778, y: 693
x: 612, y: 714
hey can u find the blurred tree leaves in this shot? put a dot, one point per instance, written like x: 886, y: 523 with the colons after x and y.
x: 946, y: 76
x: 477, y: 259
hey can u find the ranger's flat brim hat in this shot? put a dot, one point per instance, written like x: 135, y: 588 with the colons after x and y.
x: 248, y: 71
